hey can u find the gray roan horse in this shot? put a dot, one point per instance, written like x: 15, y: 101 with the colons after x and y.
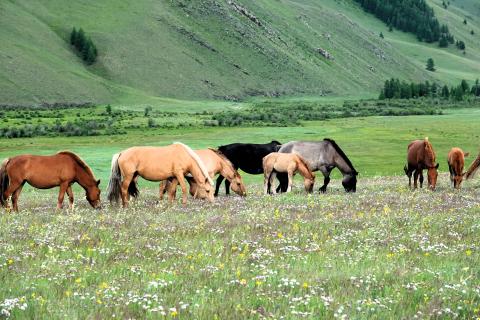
x: 324, y: 156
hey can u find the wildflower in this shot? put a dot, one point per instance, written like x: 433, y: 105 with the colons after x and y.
x: 78, y: 280
x: 279, y: 235
x: 243, y: 282
x: 68, y: 293
x: 305, y: 285
x: 99, y: 301
x: 103, y: 285
x: 390, y: 255
x: 468, y: 252
x: 258, y: 283
x: 173, y: 312
x: 10, y: 261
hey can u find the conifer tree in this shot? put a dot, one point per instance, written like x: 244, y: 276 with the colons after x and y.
x: 430, y: 65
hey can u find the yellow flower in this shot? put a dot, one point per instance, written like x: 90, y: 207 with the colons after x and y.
x: 390, y: 255
x: 174, y: 313
x: 78, y: 280
x: 426, y: 254
x: 234, y: 248
x: 221, y: 266
x: 280, y: 235
x: 68, y: 293
x: 243, y: 282
x: 99, y: 301
x: 258, y: 283
x: 103, y: 285
x: 468, y: 252
x: 305, y: 285
x: 386, y: 209
x: 10, y: 261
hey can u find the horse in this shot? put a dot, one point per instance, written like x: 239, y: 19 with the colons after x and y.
x: 473, y: 168
x: 45, y: 172
x: 421, y: 156
x: 245, y: 156
x: 324, y: 156
x: 155, y: 164
x: 215, y: 162
x: 290, y: 163
x: 456, y: 162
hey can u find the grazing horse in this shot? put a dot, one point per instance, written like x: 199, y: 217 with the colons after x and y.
x: 245, y: 156
x: 473, y: 167
x: 215, y: 162
x: 45, y: 172
x: 421, y: 156
x: 290, y: 163
x: 456, y: 162
x: 324, y: 156
x: 155, y: 164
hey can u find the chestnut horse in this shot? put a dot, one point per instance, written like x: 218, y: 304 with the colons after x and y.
x: 155, y: 164
x: 456, y: 162
x: 473, y: 167
x: 421, y: 156
x: 215, y: 162
x: 44, y: 172
x: 290, y: 163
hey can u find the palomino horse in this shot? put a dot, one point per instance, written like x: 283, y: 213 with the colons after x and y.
x: 324, y: 156
x: 215, y: 162
x: 473, y: 167
x: 245, y: 156
x: 44, y: 172
x: 290, y: 163
x: 456, y: 162
x: 155, y: 164
x: 420, y: 156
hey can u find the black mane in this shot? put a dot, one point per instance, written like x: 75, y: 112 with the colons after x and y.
x: 340, y: 152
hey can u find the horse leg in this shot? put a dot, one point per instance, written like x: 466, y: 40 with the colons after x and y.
x: 218, y: 184
x: 421, y: 178
x: 70, y: 196
x: 290, y: 181
x: 273, y: 175
x: 266, y: 181
x: 12, y: 187
x: 452, y: 174
x: 124, y: 190
x: 415, y: 178
x: 283, y: 179
x: 227, y: 187
x: 15, y: 197
x: 61, y: 194
x: 172, y: 190
x: 163, y: 186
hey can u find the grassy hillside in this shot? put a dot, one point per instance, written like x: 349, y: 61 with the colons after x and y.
x: 208, y: 49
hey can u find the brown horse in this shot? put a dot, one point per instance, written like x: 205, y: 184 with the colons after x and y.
x: 215, y: 162
x: 44, y: 172
x: 155, y: 164
x: 420, y: 156
x: 456, y: 162
x: 289, y: 163
x: 473, y: 167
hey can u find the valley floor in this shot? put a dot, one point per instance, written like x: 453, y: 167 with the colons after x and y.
x: 383, y: 253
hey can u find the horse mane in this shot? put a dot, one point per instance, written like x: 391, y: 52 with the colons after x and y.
x: 80, y: 162
x: 473, y: 167
x: 197, y: 159
x: 430, y: 153
x: 305, y: 163
x: 224, y: 158
x: 340, y: 152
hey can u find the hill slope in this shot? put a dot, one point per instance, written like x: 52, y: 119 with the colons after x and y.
x: 215, y: 49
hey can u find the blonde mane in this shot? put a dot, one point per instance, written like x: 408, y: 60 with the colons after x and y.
x: 430, y: 153
x: 224, y: 158
x: 80, y: 162
x: 305, y: 163
x: 199, y: 161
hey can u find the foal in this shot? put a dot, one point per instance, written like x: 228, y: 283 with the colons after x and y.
x: 456, y: 162
x: 290, y: 163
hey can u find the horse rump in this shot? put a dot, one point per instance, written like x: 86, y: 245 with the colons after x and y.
x: 4, y: 182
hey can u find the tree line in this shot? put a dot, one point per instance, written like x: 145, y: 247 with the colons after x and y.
x: 414, y: 16
x: 84, y: 45
x: 396, y: 89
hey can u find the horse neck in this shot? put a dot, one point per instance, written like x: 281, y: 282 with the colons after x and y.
x: 227, y: 170
x: 303, y: 170
x: 342, y: 165
x: 84, y: 178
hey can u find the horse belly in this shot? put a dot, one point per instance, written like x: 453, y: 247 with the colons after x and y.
x: 42, y: 182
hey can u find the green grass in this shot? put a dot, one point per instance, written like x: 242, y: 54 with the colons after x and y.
x: 383, y: 253
x: 154, y: 53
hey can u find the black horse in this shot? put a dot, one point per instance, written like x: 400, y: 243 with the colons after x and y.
x: 246, y: 156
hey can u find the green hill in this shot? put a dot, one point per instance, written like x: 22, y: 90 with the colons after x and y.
x: 218, y: 49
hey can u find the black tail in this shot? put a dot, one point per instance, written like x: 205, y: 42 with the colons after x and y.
x: 4, y: 182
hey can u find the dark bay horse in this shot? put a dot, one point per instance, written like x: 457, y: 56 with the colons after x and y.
x: 421, y: 156
x: 246, y: 156
x: 456, y: 163
x: 324, y: 156
x: 44, y: 172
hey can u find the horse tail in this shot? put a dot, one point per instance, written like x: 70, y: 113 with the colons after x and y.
x: 115, y: 182
x: 4, y: 181
x: 473, y: 168
x: 197, y: 160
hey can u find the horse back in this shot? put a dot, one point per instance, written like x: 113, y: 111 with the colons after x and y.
x: 456, y: 160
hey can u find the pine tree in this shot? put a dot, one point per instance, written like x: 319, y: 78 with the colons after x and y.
x: 464, y: 85
x: 73, y: 36
x: 430, y: 65
x: 443, y: 42
x: 445, y: 92
x: 381, y: 35
x: 80, y: 40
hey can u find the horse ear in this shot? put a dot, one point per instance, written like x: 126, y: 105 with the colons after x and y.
x: 206, y: 180
x: 98, y: 182
x: 438, y: 165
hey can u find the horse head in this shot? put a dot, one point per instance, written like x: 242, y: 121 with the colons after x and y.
x: 432, y: 175
x: 349, y: 181
x: 237, y: 185
x: 93, y: 195
x: 276, y: 145
x: 308, y: 183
